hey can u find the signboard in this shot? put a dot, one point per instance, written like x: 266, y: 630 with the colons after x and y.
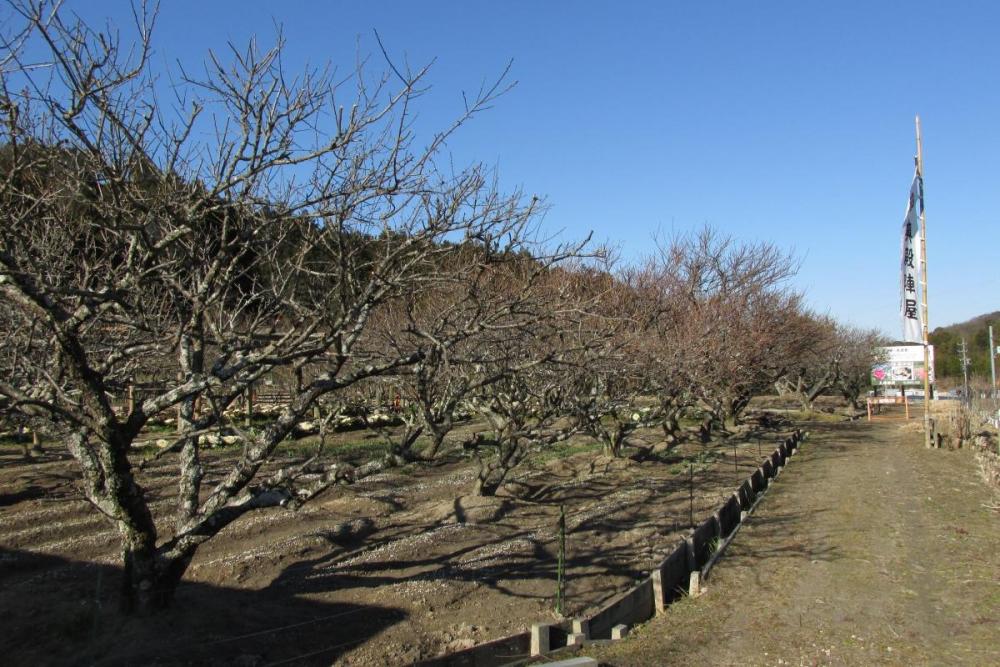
x: 902, y: 365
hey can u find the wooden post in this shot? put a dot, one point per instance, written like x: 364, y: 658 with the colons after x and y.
x: 868, y: 404
x: 923, y: 283
x: 906, y: 404
x: 131, y: 398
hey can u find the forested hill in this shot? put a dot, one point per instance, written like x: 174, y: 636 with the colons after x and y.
x: 946, y: 341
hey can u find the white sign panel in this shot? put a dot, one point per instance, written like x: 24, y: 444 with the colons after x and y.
x: 902, y: 364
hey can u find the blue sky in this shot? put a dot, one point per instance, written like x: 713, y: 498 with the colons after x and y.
x: 789, y: 122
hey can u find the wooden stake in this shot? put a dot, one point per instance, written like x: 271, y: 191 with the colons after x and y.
x: 691, y: 492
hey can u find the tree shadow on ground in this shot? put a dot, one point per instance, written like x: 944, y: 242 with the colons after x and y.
x: 622, y: 540
x: 774, y: 531
x: 62, y: 612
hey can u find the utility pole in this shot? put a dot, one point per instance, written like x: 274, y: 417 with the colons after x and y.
x: 993, y: 376
x: 964, y: 351
x: 993, y: 366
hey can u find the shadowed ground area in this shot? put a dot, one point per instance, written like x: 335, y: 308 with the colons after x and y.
x: 59, y: 612
x: 869, y: 550
x: 396, y: 568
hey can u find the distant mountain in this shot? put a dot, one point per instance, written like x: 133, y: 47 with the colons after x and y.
x: 946, y: 341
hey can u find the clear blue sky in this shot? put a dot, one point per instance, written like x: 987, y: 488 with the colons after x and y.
x: 789, y: 122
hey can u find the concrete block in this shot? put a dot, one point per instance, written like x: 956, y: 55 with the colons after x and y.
x: 694, y: 584
x: 633, y: 606
x: 581, y: 626
x: 659, y: 594
x: 575, y: 639
x: 539, y: 638
x: 619, y: 632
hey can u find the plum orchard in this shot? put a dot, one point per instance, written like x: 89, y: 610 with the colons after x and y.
x: 284, y: 225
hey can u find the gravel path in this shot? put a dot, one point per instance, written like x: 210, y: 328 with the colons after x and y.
x: 869, y: 550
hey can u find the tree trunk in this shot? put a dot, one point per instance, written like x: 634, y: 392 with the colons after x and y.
x: 485, y: 488
x: 149, y: 581
x: 736, y: 407
x: 405, y: 447
x: 705, y: 429
x: 439, y: 430
x: 36, y: 443
x: 25, y: 449
x: 670, y: 427
x: 492, y: 474
x: 613, y: 442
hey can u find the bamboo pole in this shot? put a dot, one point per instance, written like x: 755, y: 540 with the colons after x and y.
x: 923, y: 284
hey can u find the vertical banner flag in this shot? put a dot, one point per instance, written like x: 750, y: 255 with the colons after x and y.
x: 910, y: 288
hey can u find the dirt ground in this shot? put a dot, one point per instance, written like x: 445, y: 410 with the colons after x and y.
x: 386, y: 572
x: 869, y: 550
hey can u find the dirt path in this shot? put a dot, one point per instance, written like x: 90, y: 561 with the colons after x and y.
x: 870, y: 549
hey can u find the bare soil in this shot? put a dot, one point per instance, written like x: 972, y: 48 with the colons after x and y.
x: 388, y: 571
x: 868, y: 550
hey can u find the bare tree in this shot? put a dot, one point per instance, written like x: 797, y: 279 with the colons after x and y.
x: 734, y: 302
x: 857, y: 354
x: 832, y: 358
x: 816, y: 369
x: 258, y: 224
x: 538, y: 368
x: 626, y: 385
